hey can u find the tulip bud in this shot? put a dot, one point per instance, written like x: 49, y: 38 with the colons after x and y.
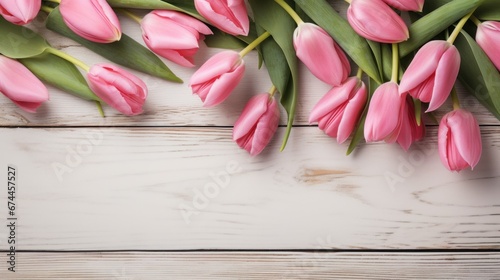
x: 257, y: 124
x: 488, y: 37
x: 406, y: 5
x: 339, y: 110
x: 317, y: 50
x: 20, y: 12
x: 229, y: 16
x: 432, y: 73
x: 217, y: 77
x: 410, y: 130
x: 21, y: 86
x: 376, y: 21
x: 118, y: 88
x: 173, y: 35
x: 459, y: 140
x: 385, y: 114
x: 93, y: 20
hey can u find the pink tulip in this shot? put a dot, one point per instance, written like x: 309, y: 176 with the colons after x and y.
x: 376, y: 21
x: 406, y: 5
x: 488, y: 37
x: 118, y: 88
x: 339, y: 110
x: 173, y: 35
x: 93, y: 20
x: 20, y: 12
x: 229, y: 16
x: 21, y: 86
x: 432, y: 73
x: 385, y: 114
x: 217, y: 78
x: 410, y: 131
x: 459, y: 140
x: 317, y: 50
x: 257, y: 124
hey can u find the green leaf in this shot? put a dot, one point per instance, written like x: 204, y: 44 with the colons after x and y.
x: 20, y: 42
x: 126, y: 52
x: 354, y: 45
x: 478, y: 74
x: 61, y: 74
x: 489, y: 10
x: 436, y: 22
x: 224, y: 41
x: 271, y: 17
x: 181, y: 6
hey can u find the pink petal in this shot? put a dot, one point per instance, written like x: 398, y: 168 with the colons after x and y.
x: 229, y: 16
x: 466, y: 136
x: 406, y: 5
x: 446, y: 76
x: 332, y: 99
x: 223, y: 86
x: 253, y: 111
x: 352, y: 113
x: 20, y: 11
x: 217, y: 65
x: 488, y: 37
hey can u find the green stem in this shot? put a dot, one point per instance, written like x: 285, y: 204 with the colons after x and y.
x: 360, y: 73
x: 418, y: 111
x: 54, y: 1
x: 272, y: 92
x: 255, y: 43
x: 131, y: 15
x: 475, y: 20
x: 395, y: 63
x: 459, y: 27
x: 47, y: 9
x: 454, y: 99
x: 99, y: 108
x: 69, y: 58
x: 290, y: 11
x: 348, y: 1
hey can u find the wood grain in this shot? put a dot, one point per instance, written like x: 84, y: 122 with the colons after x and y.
x: 142, y: 188
x: 240, y: 265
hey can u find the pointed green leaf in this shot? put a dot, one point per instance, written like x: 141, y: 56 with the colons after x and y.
x: 478, y: 74
x: 61, y: 74
x: 126, y: 52
x: 224, y: 41
x: 436, y: 22
x: 20, y: 42
x: 271, y: 17
x: 181, y: 6
x: 487, y: 10
x: 354, y: 45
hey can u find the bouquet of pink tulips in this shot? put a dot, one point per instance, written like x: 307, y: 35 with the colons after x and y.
x: 405, y: 68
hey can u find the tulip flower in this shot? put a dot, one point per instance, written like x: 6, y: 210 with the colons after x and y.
x: 317, y: 50
x: 118, y: 88
x: 21, y: 86
x: 217, y: 77
x: 173, y: 35
x: 339, y: 110
x: 229, y: 16
x: 410, y: 130
x: 488, y: 37
x: 432, y: 73
x: 459, y: 140
x: 385, y: 114
x: 257, y: 124
x: 376, y: 21
x: 93, y: 20
x: 406, y: 5
x: 20, y: 12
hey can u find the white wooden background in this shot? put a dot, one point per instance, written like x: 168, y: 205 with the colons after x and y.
x: 129, y: 205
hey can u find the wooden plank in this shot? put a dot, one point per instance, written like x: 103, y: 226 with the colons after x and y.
x: 240, y: 265
x: 192, y: 188
x: 171, y: 104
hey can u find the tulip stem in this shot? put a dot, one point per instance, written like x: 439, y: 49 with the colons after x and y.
x: 418, y: 111
x: 360, y: 73
x: 459, y: 27
x: 47, y: 9
x: 131, y: 15
x: 99, y: 108
x: 454, y: 99
x: 272, y: 92
x: 290, y: 11
x: 475, y: 20
x: 255, y: 43
x: 395, y: 63
x: 69, y: 58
